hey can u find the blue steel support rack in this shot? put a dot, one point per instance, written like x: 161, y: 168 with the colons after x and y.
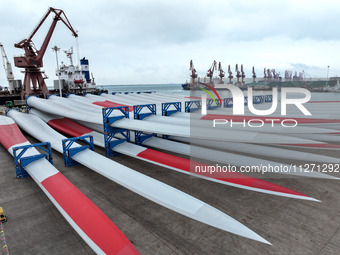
x: 21, y: 162
x: 228, y: 102
x: 189, y: 104
x: 166, y: 106
x: 69, y: 152
x: 48, y: 96
x: 212, y: 107
x: 258, y: 99
x: 110, y: 132
x: 7, y: 110
x: 167, y: 112
x: 27, y: 106
x: 140, y: 137
x: 67, y: 95
x: 105, y: 92
x: 268, y: 98
x: 138, y: 108
x: 245, y: 100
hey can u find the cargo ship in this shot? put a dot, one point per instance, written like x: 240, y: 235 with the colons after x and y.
x: 74, y: 79
x: 71, y: 78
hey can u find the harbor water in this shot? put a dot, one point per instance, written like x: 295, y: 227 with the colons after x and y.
x: 177, y: 89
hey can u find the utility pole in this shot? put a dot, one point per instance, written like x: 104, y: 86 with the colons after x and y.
x: 56, y: 49
x: 327, y: 76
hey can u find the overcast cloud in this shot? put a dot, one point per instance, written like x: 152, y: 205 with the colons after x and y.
x: 149, y: 41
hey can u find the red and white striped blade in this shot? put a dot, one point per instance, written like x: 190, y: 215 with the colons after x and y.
x: 226, y: 158
x: 200, y: 132
x: 176, y: 163
x: 101, y: 234
x: 311, y: 144
x: 143, y: 185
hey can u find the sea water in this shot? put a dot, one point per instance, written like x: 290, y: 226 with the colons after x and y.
x: 177, y: 89
x: 160, y: 88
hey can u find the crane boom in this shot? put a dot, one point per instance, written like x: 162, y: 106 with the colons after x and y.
x: 254, y: 74
x: 242, y: 75
x: 222, y: 73
x: 27, y: 44
x: 32, y: 61
x: 210, y: 72
x: 8, y: 69
x: 193, y: 73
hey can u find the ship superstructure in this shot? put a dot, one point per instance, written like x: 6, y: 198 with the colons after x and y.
x: 74, y: 78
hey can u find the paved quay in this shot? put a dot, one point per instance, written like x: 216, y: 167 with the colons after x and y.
x: 293, y: 226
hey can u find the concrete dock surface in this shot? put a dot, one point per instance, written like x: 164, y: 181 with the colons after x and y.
x: 293, y: 226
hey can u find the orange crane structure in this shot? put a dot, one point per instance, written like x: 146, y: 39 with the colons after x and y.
x: 32, y: 61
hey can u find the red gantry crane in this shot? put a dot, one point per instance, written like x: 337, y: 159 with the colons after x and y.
x: 32, y: 61
x: 238, y: 76
x: 254, y: 74
x: 242, y: 75
x: 230, y: 75
x: 193, y: 73
x: 222, y: 73
x: 210, y: 72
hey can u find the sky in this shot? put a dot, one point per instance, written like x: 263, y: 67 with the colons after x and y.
x: 153, y: 41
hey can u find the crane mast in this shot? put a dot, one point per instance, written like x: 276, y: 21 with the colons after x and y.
x: 230, y: 75
x: 238, y: 76
x: 32, y: 61
x: 8, y: 69
x: 210, y: 72
x: 193, y: 73
x: 221, y: 72
x: 254, y: 74
x: 242, y: 75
